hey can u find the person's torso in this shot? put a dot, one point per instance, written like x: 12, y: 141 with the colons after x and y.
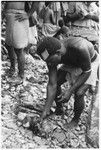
x: 47, y: 15
x: 75, y: 51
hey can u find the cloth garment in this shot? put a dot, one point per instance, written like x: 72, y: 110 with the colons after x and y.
x: 93, y: 8
x: 74, y: 73
x: 33, y: 35
x: 49, y: 29
x: 82, y: 9
x: 16, y: 32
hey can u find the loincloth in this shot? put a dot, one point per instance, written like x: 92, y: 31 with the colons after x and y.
x: 74, y: 73
x: 16, y: 32
x: 49, y: 29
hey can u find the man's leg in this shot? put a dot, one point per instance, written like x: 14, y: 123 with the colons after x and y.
x: 61, y: 80
x: 78, y: 104
x: 12, y: 57
x: 21, y: 61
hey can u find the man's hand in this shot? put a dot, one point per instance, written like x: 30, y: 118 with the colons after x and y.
x: 21, y: 17
x: 66, y: 97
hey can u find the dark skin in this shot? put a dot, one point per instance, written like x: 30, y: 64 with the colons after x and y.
x: 48, y: 16
x: 53, y: 86
x: 57, y: 78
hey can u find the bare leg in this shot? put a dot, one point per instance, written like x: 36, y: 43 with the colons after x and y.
x: 21, y: 62
x: 61, y: 80
x: 12, y: 57
x: 78, y: 106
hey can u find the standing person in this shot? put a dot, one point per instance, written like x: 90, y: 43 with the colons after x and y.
x: 64, y: 8
x: 80, y: 64
x: 41, y: 5
x: 48, y: 28
x: 17, y: 31
x: 33, y: 21
x: 56, y: 7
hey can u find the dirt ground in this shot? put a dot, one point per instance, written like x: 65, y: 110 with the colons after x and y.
x: 16, y: 118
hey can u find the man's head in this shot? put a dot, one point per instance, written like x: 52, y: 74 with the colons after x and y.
x: 49, y: 44
x: 49, y: 48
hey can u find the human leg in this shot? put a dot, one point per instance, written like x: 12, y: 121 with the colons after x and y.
x: 12, y: 57
x: 61, y: 80
x: 78, y: 105
x: 21, y: 61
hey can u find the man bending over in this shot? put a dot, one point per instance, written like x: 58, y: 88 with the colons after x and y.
x: 79, y: 64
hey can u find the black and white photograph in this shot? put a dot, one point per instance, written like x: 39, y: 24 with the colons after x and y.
x: 50, y: 74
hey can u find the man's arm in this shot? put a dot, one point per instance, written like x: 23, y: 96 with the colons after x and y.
x: 52, y: 17
x: 85, y: 64
x: 51, y: 90
x: 93, y: 17
x: 78, y: 12
x: 74, y: 17
x: 79, y: 82
x: 31, y: 11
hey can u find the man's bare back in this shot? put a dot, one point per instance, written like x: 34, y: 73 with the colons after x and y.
x: 48, y: 16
